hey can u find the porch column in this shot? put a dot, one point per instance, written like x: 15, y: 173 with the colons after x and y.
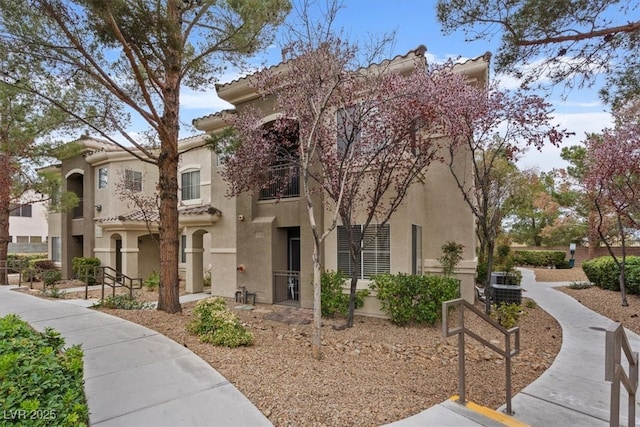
x: 130, y: 252
x: 195, y: 268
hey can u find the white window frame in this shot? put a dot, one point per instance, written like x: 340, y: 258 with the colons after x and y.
x: 192, y: 188
x: 103, y: 178
x: 375, y: 255
x: 132, y: 180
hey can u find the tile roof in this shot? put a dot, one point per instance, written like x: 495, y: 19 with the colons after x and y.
x: 154, y: 216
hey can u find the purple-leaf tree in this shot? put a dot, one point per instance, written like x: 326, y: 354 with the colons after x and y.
x: 613, y: 180
x: 498, y: 126
x: 358, y: 137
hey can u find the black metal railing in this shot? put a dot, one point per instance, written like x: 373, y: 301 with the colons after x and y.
x: 111, y: 278
x: 284, y: 182
x: 286, y: 287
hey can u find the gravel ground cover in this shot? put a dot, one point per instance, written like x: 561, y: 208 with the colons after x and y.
x: 375, y: 372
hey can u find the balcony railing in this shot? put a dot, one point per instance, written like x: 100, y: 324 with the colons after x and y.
x: 284, y: 182
x: 286, y: 287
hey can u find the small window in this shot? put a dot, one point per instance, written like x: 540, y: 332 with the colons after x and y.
x: 347, y: 133
x: 132, y: 180
x: 35, y: 239
x: 190, y: 189
x: 103, y: 177
x: 183, y: 248
x: 56, y: 249
x: 22, y: 239
x: 416, y: 249
x: 23, y: 211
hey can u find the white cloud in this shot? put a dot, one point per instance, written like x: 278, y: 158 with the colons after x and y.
x: 580, y: 124
x: 202, y: 100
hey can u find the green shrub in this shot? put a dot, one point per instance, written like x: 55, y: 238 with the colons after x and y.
x: 124, y: 302
x: 84, y: 269
x: 506, y: 315
x: 540, y: 258
x: 153, y: 281
x: 38, y: 375
x: 580, y: 285
x: 409, y: 298
x: 51, y: 277
x: 531, y: 304
x: 334, y: 300
x: 451, y: 257
x: 18, y: 262
x: 53, y: 292
x: 43, y: 264
x: 213, y: 323
x: 603, y: 272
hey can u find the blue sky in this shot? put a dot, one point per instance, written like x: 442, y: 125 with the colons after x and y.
x: 415, y: 23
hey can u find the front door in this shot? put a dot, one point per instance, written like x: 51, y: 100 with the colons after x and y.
x: 293, y: 263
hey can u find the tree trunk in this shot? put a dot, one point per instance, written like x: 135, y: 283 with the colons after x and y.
x: 5, y: 202
x: 352, y: 299
x: 592, y: 236
x: 487, y: 282
x: 621, y: 276
x: 316, y: 339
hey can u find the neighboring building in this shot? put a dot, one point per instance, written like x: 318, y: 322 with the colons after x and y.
x: 252, y: 240
x: 28, y: 230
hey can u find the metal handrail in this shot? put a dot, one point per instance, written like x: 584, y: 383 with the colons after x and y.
x: 616, y: 342
x: 508, y: 352
x: 111, y: 277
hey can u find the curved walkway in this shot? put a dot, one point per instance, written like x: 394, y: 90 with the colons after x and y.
x: 572, y: 392
x: 135, y: 376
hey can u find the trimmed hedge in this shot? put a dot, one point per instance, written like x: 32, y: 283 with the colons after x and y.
x: 408, y: 298
x: 541, y: 258
x: 83, y: 268
x: 603, y: 272
x: 42, y: 383
x: 333, y: 299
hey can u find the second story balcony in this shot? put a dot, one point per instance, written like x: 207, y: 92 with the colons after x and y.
x: 284, y: 182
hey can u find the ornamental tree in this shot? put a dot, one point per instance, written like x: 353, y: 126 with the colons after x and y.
x: 613, y: 180
x: 133, y: 57
x: 569, y: 41
x: 361, y: 135
x: 503, y: 125
x: 26, y: 126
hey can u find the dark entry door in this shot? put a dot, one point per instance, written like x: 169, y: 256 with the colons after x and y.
x: 293, y: 249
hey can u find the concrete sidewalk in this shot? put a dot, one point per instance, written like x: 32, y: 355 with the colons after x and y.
x: 135, y: 376
x: 572, y: 392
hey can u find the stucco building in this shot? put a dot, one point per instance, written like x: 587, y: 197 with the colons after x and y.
x: 252, y: 240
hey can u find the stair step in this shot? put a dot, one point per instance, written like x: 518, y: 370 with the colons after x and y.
x: 482, y: 415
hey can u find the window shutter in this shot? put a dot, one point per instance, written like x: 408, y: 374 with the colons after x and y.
x: 344, y: 251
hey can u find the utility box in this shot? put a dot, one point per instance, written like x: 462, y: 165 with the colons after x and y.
x: 507, y: 294
x: 504, y: 290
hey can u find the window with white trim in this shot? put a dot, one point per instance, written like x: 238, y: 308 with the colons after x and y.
x: 56, y: 249
x: 132, y: 180
x: 375, y: 255
x: 23, y: 211
x: 103, y: 178
x: 190, y: 188
x: 346, y: 131
x: 183, y: 248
